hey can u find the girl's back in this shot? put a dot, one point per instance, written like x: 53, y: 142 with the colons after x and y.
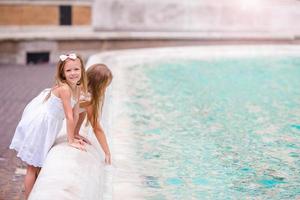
x: 40, y: 123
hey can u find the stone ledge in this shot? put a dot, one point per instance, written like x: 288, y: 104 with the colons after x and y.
x: 72, y: 174
x: 87, y: 33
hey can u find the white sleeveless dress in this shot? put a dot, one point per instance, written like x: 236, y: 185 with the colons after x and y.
x: 37, y: 130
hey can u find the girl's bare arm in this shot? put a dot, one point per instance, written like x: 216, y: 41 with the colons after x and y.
x: 99, y: 135
x: 65, y: 95
x: 79, y: 122
x: 76, y: 110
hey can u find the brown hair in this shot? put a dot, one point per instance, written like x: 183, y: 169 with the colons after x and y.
x: 60, y: 76
x: 99, y: 77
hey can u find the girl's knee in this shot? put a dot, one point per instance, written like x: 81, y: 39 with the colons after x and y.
x: 32, y: 169
x: 38, y: 171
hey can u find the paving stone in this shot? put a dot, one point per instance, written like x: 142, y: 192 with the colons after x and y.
x: 18, y: 85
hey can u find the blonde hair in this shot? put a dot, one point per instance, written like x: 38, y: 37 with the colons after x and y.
x: 99, y: 77
x: 60, y: 76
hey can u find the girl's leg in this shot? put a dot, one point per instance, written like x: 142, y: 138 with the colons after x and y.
x: 30, y: 178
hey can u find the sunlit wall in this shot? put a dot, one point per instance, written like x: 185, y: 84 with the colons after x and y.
x: 193, y: 15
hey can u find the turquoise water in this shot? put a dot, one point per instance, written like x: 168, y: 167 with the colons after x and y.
x: 217, y: 129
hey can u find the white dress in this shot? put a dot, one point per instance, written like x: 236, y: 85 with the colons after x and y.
x: 37, y: 130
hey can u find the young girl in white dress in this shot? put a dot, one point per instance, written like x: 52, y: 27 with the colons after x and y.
x: 99, y: 77
x: 43, y: 117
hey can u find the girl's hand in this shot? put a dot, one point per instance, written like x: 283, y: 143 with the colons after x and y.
x: 79, y: 140
x: 77, y: 145
x: 107, y: 159
x: 83, y: 139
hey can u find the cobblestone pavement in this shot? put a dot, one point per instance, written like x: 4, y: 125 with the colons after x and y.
x: 18, y: 85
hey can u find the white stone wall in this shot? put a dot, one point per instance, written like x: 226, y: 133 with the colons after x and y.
x: 193, y: 15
